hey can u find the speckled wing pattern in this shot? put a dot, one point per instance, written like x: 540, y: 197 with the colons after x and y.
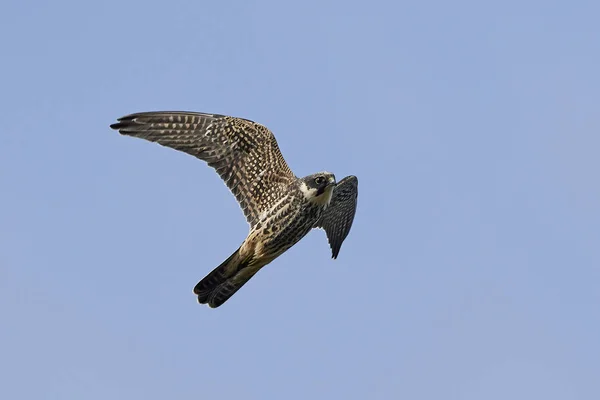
x: 245, y: 154
x: 338, y: 217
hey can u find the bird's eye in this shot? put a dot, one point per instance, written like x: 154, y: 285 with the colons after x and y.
x: 319, y: 180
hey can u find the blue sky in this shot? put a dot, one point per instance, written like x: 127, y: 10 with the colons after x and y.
x: 473, y: 267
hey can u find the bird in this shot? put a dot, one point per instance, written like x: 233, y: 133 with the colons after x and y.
x: 279, y: 207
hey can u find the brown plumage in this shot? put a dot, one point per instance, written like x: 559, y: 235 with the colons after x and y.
x: 279, y: 207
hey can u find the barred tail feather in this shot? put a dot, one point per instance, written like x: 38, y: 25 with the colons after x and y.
x: 222, y: 283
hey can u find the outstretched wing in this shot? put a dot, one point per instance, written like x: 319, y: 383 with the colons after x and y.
x: 245, y: 154
x: 337, y: 218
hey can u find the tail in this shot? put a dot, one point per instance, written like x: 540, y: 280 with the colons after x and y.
x: 218, y: 286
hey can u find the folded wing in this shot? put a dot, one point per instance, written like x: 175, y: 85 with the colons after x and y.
x: 245, y: 154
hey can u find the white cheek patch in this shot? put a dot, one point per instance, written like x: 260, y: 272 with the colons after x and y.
x: 309, y: 193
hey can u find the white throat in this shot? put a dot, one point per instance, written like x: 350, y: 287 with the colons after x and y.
x: 310, y: 194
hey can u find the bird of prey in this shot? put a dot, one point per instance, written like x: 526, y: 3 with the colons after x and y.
x: 279, y: 207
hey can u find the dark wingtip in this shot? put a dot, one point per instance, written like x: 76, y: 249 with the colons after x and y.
x: 335, y: 253
x: 124, y: 122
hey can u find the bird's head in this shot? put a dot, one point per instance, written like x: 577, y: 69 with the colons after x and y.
x: 318, y: 188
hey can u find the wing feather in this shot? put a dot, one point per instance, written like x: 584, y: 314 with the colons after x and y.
x: 338, y: 217
x: 244, y: 154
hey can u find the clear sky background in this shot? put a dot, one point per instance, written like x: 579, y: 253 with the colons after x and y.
x: 473, y: 267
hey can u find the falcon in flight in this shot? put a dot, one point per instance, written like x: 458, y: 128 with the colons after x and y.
x: 279, y: 207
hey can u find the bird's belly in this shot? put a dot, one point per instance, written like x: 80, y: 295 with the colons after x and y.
x: 281, y: 234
